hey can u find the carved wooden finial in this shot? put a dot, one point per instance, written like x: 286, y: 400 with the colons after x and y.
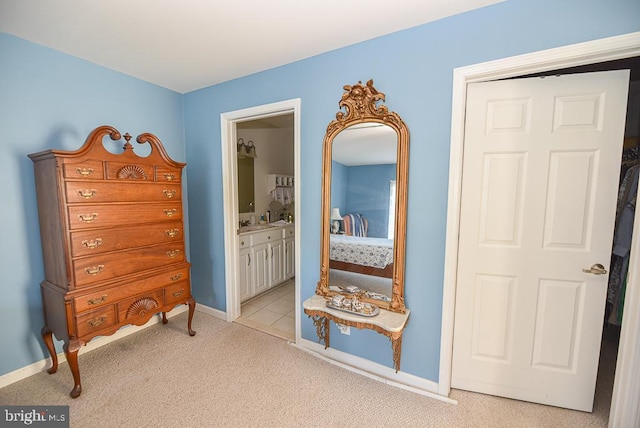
x: 127, y: 145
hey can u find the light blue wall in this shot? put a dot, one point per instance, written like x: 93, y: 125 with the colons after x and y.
x: 52, y: 100
x: 364, y: 190
x: 368, y: 194
x: 414, y: 69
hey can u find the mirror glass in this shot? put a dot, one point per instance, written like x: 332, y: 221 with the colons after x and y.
x: 364, y: 191
x: 363, y: 181
x: 246, y: 191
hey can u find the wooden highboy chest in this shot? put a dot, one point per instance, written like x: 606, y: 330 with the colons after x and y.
x: 112, y: 240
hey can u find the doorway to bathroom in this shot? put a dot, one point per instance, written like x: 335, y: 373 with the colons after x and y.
x: 260, y: 227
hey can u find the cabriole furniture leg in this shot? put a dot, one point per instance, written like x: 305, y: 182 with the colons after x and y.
x: 47, y: 336
x: 192, y: 309
x: 71, y: 351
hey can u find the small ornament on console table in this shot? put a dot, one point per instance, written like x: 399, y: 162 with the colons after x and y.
x: 353, y: 306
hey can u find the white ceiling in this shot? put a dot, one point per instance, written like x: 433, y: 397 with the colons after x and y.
x: 190, y: 44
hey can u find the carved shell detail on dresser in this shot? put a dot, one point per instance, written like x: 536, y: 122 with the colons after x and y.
x: 141, y: 307
x: 132, y: 172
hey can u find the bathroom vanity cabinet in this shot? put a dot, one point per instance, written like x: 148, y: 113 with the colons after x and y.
x: 266, y: 259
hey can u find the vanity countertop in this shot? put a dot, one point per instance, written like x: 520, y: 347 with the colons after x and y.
x: 266, y: 226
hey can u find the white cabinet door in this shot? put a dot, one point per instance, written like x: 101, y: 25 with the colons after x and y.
x: 245, y: 280
x: 267, y: 262
x: 276, y: 271
x: 261, y: 262
x: 289, y: 258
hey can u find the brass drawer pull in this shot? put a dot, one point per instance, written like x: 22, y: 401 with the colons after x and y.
x: 173, y: 253
x: 87, y: 193
x: 97, y: 321
x: 169, y: 177
x: 170, y: 212
x: 97, y: 300
x: 172, y: 232
x: 88, y: 218
x: 84, y: 171
x: 94, y: 270
x: 169, y: 193
x: 176, y: 277
x: 178, y: 293
x: 93, y: 243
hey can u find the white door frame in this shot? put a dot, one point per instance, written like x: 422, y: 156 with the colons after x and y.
x: 230, y: 195
x: 626, y: 395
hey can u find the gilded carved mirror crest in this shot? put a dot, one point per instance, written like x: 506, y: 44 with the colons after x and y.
x: 364, y: 200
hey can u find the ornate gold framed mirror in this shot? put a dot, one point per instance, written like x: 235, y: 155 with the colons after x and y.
x: 364, y: 201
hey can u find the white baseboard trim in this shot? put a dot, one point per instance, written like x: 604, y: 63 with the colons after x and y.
x: 44, y: 364
x: 217, y: 313
x: 373, y: 370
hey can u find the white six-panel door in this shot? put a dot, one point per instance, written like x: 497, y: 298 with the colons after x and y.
x: 539, y: 187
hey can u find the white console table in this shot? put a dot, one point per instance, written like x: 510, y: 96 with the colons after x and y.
x: 391, y: 324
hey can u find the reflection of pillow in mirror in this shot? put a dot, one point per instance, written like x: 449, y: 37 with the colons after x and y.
x: 355, y: 225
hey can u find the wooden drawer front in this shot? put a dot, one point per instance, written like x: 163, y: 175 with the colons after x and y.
x: 89, y: 270
x: 111, y: 295
x: 94, y: 300
x: 140, y: 306
x: 129, y: 171
x: 88, y: 192
x: 176, y: 293
x: 89, y: 169
x: 164, y: 174
x: 89, y: 216
x: 88, y: 242
x: 93, y: 321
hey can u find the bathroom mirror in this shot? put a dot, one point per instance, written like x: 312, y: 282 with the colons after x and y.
x: 246, y: 187
x: 364, y: 201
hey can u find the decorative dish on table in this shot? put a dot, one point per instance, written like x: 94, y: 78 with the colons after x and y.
x: 353, y: 306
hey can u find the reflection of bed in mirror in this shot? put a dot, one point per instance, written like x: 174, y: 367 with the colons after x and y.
x: 363, y: 263
x: 369, y: 256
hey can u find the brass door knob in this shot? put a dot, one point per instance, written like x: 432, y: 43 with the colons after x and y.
x: 596, y: 269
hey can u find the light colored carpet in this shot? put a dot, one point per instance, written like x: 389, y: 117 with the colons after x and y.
x: 229, y: 375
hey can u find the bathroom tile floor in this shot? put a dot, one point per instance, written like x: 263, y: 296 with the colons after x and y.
x: 272, y: 312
